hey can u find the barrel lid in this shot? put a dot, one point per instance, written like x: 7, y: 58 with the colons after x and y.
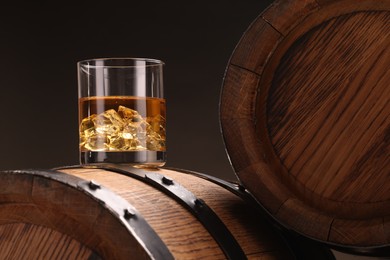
x: 304, y: 113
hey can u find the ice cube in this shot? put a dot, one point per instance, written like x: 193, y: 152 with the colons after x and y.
x: 96, y: 142
x: 157, y: 124
x: 108, y: 122
x: 125, y: 130
x: 129, y: 114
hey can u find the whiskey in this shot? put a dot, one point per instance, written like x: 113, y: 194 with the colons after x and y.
x: 122, y: 129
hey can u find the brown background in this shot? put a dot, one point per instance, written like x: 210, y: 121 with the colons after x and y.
x: 41, y: 43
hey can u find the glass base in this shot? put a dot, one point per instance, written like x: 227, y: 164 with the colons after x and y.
x: 146, y: 159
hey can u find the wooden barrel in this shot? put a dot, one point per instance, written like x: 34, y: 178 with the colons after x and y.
x: 304, y: 112
x: 118, y: 212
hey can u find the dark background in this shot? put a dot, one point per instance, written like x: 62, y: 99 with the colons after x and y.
x: 42, y: 42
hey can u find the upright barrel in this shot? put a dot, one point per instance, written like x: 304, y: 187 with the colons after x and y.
x: 304, y: 112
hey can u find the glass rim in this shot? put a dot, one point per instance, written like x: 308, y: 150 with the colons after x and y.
x: 149, y: 62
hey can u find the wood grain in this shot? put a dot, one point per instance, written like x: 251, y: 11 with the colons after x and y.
x: 22, y: 241
x: 181, y: 232
x: 305, y: 112
x: 278, y: 9
x: 62, y: 208
x: 54, y: 218
x: 329, y: 120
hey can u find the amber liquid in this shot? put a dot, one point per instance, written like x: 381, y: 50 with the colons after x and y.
x: 122, y: 129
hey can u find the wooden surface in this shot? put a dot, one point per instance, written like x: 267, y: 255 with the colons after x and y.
x: 52, y: 218
x: 185, y: 237
x: 305, y: 117
x: 49, y: 215
x: 22, y: 241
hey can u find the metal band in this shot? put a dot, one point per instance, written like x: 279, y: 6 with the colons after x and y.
x: 127, y: 214
x: 235, y: 188
x: 300, y: 247
x: 206, y: 216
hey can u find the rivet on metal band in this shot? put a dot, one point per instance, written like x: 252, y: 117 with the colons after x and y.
x: 206, y: 216
x: 128, y: 215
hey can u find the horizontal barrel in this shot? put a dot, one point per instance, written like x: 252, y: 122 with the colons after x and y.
x: 116, y: 212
